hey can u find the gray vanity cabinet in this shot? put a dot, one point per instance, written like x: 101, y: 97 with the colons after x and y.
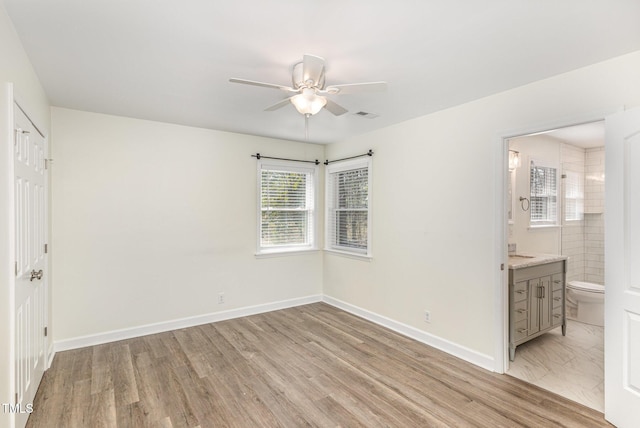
x: 536, y: 302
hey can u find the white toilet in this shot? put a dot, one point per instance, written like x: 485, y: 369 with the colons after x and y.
x: 589, y: 300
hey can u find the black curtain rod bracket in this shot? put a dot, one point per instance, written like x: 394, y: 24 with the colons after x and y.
x: 369, y: 153
x: 259, y: 156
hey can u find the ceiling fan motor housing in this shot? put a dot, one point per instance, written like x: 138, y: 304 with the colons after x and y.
x: 297, y: 78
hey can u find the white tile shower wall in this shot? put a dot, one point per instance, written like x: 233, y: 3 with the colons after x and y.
x: 573, y: 239
x: 594, y: 180
x: 573, y: 247
x: 594, y: 215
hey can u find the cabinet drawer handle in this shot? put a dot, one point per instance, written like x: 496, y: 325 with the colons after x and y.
x: 557, y: 281
x: 557, y: 315
x: 557, y: 299
x: 520, y: 291
x: 521, y: 311
x: 522, y: 330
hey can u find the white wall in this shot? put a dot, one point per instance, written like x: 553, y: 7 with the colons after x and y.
x: 437, y: 229
x: 15, y: 68
x: 152, y: 221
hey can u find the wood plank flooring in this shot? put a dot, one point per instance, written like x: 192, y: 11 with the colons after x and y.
x: 312, y: 365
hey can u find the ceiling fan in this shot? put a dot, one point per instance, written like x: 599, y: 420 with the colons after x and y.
x: 308, y: 90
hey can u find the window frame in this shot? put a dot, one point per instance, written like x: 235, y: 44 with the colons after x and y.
x: 545, y: 222
x: 312, y: 217
x: 330, y: 241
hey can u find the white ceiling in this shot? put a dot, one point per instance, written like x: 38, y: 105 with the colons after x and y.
x: 170, y: 61
x: 586, y: 136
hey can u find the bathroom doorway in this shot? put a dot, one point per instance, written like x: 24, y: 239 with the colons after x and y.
x: 556, y: 206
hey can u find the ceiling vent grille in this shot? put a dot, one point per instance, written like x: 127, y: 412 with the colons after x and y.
x: 366, y: 114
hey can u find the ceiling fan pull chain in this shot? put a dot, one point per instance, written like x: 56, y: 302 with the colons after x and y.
x: 306, y: 126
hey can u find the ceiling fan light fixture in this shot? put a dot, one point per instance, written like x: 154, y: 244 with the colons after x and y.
x: 308, y: 102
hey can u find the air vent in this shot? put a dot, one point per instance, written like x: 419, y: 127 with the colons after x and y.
x: 367, y: 114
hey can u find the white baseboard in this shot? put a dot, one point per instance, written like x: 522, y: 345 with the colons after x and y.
x: 469, y: 355
x: 50, y: 354
x: 462, y: 352
x: 128, y: 333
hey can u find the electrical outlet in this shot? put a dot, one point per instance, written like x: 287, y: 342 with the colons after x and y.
x: 427, y: 316
x: 220, y: 298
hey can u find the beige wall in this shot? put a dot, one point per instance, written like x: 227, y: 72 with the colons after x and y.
x: 545, y: 150
x: 437, y: 190
x: 152, y: 221
x: 16, y: 69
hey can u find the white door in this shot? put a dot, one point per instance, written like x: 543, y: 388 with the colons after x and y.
x: 30, y: 269
x: 622, y: 269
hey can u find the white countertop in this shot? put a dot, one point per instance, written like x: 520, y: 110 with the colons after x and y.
x: 522, y: 260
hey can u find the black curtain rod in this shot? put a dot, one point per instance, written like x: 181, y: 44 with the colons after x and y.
x: 259, y: 156
x: 369, y: 153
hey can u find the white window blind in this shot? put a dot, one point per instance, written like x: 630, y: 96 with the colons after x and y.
x: 573, y: 196
x: 287, y: 204
x: 544, y: 194
x: 348, y: 209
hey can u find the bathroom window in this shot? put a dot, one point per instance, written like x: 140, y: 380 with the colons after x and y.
x: 348, y: 207
x: 573, y: 196
x: 543, y: 180
x: 286, y: 208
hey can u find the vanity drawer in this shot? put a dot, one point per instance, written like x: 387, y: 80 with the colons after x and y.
x: 557, y: 281
x: 520, y: 311
x: 556, y: 316
x: 557, y: 298
x: 519, y: 291
x: 521, y: 330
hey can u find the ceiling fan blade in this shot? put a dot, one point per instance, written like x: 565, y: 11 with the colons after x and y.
x: 312, y: 69
x: 262, y: 84
x: 279, y: 104
x: 356, y: 88
x: 334, y: 108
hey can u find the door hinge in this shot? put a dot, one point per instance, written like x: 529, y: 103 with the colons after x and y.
x: 501, y: 266
x: 47, y: 162
x: 46, y: 248
x: 16, y: 268
x: 16, y: 398
x: 45, y: 332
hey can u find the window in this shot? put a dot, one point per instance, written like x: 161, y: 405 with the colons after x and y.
x: 348, y: 207
x: 543, y: 184
x: 286, y: 215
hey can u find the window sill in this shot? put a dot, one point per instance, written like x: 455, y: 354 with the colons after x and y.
x: 356, y: 256
x: 544, y: 226
x: 284, y: 253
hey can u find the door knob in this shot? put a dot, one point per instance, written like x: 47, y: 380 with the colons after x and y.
x: 36, y: 275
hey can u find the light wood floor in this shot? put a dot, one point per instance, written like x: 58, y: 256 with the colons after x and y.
x: 313, y: 365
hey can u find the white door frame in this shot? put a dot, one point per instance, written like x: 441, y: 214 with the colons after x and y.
x: 501, y: 319
x: 9, y: 226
